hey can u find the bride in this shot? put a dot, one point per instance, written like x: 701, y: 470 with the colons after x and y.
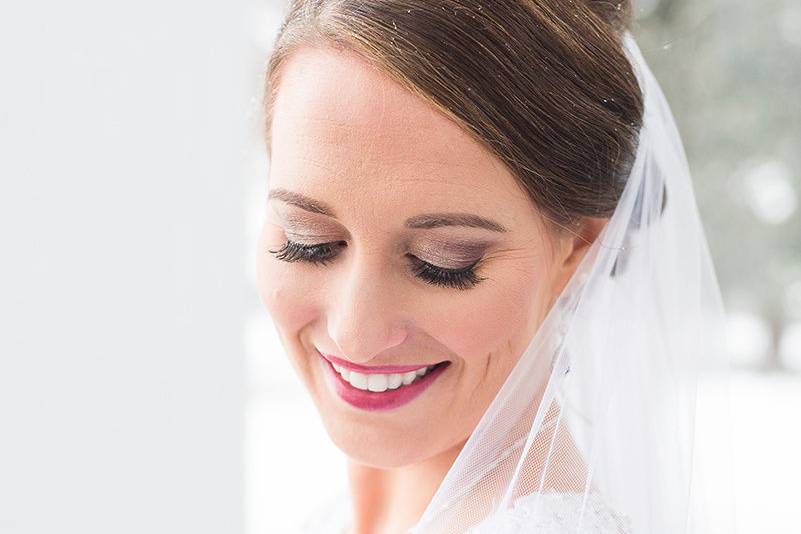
x: 484, y: 259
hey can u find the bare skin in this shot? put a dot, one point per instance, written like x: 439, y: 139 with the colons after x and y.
x: 350, y: 138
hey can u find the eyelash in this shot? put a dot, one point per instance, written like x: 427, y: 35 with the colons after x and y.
x: 462, y: 279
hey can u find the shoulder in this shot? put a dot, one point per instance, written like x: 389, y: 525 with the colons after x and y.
x: 556, y: 513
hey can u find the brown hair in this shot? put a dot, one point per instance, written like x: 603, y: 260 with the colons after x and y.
x: 543, y: 84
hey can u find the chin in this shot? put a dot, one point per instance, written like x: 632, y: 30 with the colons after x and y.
x: 379, y: 443
x: 383, y: 443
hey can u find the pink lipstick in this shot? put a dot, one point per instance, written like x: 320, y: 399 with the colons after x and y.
x: 379, y: 387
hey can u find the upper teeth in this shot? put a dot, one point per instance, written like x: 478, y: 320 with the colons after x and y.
x: 378, y: 381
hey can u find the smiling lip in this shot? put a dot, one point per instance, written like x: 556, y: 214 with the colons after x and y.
x: 383, y: 369
x: 384, y: 400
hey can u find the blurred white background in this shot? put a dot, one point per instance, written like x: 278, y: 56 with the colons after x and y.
x: 142, y: 386
x: 123, y: 284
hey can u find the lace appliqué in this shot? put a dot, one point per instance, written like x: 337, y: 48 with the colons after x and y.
x: 556, y: 513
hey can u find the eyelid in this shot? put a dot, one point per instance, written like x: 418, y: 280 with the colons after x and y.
x: 461, y: 252
x: 466, y: 267
x: 310, y: 239
x: 431, y: 246
x: 309, y: 229
x: 300, y: 219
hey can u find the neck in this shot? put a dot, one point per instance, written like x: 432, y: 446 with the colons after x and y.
x: 391, y: 501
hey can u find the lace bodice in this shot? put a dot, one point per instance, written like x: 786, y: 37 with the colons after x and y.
x: 556, y: 513
x: 546, y: 513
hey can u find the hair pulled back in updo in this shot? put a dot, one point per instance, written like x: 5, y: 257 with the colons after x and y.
x: 544, y: 84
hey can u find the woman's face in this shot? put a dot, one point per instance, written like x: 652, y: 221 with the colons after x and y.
x: 402, y: 200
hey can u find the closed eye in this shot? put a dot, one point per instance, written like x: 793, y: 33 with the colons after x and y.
x: 462, y: 279
x: 291, y: 252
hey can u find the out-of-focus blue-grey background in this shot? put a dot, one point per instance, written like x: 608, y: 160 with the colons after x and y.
x: 142, y: 386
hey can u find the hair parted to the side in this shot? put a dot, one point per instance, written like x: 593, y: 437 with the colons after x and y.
x: 544, y: 84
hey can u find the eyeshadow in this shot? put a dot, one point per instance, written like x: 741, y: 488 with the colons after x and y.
x: 442, y: 251
x: 307, y: 226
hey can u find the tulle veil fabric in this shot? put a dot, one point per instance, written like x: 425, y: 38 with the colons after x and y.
x: 616, y: 394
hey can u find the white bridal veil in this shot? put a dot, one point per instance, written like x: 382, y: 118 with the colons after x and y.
x: 615, y: 397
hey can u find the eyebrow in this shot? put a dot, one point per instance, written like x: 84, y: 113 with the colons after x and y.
x: 422, y: 221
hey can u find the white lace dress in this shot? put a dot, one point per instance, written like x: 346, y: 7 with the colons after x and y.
x: 555, y: 513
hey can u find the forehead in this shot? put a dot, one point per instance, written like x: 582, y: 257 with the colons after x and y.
x: 342, y: 128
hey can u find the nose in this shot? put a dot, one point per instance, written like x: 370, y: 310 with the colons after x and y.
x: 363, y: 315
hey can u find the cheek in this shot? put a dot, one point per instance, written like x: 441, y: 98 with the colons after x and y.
x: 283, y: 287
x: 499, y: 322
